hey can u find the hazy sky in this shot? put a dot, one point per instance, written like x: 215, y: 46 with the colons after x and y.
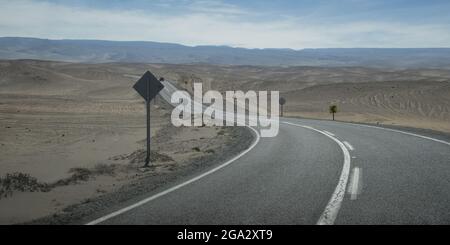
x: 252, y: 24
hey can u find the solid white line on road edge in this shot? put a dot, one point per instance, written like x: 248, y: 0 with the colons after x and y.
x: 328, y: 133
x: 350, y: 147
x: 331, y: 210
x: 403, y: 132
x: 355, y: 185
x: 146, y: 200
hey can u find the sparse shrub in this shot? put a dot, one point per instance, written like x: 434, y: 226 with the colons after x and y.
x: 155, y: 156
x: 80, y: 174
x: 20, y: 182
x: 210, y: 151
x: 140, y: 155
x: 104, y: 169
x: 26, y: 183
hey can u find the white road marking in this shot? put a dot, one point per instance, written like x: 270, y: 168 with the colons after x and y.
x: 403, y: 132
x: 355, y: 186
x: 146, y: 200
x: 350, y: 147
x: 328, y: 133
x: 331, y: 210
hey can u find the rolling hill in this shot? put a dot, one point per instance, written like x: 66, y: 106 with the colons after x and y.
x: 97, y: 51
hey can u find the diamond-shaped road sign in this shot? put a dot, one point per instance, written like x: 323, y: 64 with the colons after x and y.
x: 148, y: 86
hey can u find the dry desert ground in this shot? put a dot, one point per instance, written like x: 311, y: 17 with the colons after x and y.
x: 72, y: 132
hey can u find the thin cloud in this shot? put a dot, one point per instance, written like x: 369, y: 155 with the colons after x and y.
x: 213, y: 23
x: 215, y: 7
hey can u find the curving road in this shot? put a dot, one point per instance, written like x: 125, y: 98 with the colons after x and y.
x: 313, y: 172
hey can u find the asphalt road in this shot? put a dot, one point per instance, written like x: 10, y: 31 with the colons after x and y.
x: 313, y: 172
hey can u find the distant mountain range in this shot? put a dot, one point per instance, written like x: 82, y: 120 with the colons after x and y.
x: 97, y: 51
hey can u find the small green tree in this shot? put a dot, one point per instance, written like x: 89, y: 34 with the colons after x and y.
x: 333, y: 110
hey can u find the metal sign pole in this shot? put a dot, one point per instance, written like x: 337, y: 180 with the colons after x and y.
x: 148, y: 87
x: 147, y: 102
x: 147, y: 159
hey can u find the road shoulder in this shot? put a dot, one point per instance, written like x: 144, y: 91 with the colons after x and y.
x: 240, y: 138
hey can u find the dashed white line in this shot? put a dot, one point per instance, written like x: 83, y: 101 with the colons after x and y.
x: 350, y: 147
x: 140, y: 203
x: 331, y: 210
x: 355, y: 183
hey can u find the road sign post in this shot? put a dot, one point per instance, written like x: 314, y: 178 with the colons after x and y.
x: 148, y: 87
x: 147, y: 159
x: 282, y: 102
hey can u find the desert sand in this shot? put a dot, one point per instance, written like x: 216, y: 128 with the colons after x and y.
x: 408, y: 97
x: 78, y: 130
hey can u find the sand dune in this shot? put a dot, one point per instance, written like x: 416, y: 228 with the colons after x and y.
x: 423, y: 104
x: 408, y: 97
x: 60, y: 122
x: 56, y: 116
